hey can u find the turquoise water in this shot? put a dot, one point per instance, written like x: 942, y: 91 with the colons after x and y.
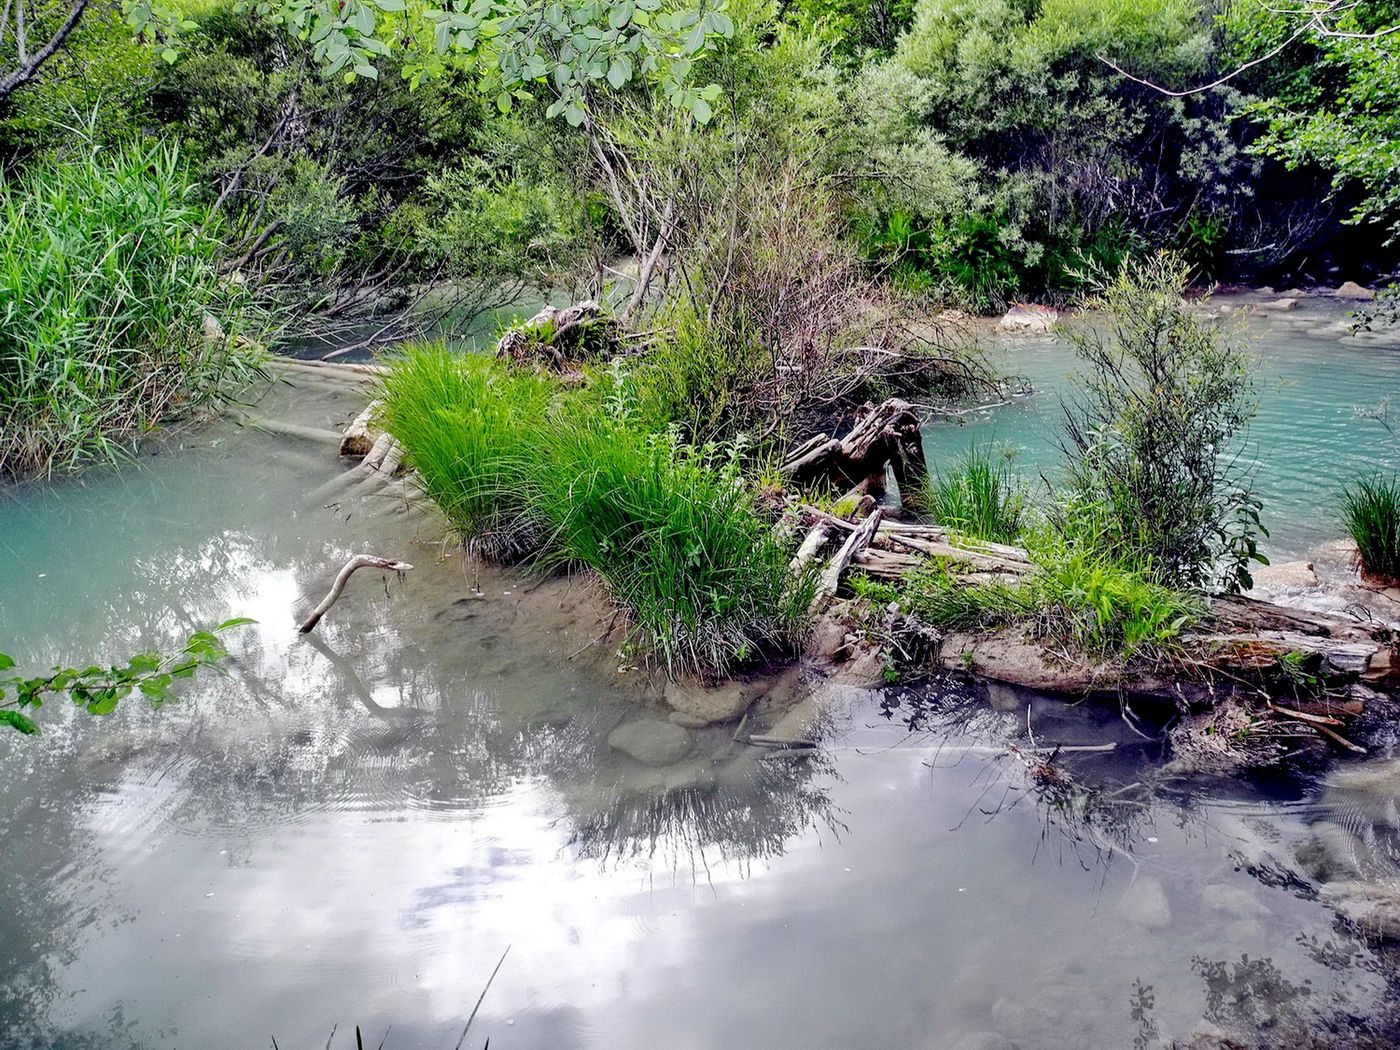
x: 1306, y: 439
x: 352, y: 828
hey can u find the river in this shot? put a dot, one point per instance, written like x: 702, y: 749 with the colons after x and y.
x: 357, y: 827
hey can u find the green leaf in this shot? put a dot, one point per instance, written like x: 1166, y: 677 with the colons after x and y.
x: 620, y: 72
x: 6, y: 662
x: 237, y: 621
x: 392, y: 6
x: 503, y: 101
x: 364, y: 69
x: 19, y: 722
x: 701, y: 110
x: 170, y: 56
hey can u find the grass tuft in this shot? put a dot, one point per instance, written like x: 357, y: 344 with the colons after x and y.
x: 523, y: 467
x: 1371, y: 515
x: 979, y: 496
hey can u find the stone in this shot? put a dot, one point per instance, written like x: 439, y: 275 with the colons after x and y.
x: 1286, y: 303
x: 651, y: 742
x: 1234, y: 900
x: 1352, y: 290
x: 1028, y: 319
x: 1145, y: 904
x: 704, y: 706
x: 1299, y: 575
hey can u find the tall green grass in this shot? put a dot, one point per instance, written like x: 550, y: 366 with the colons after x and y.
x: 473, y: 431
x: 523, y: 467
x: 1371, y: 515
x: 108, y: 269
x: 979, y: 496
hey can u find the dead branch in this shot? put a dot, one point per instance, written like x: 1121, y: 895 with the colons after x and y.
x: 359, y: 561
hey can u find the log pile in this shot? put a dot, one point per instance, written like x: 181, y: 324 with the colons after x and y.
x: 884, y: 435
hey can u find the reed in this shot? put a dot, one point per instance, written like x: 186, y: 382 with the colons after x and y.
x: 114, y: 317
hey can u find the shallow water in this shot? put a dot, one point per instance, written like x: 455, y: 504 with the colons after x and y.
x: 1306, y: 437
x: 352, y: 828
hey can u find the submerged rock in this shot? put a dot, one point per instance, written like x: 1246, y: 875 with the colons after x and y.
x: 699, y: 706
x: 1028, y: 319
x: 651, y: 742
x: 1145, y: 904
x: 1286, y: 303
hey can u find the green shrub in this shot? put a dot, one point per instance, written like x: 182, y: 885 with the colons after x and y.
x: 978, y: 497
x: 1371, y: 514
x: 1153, y: 432
x: 108, y: 270
x: 472, y: 430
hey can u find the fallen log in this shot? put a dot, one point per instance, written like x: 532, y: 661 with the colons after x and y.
x: 359, y: 561
x: 830, y: 578
x: 811, y: 546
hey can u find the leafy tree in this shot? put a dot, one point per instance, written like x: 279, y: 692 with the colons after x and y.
x: 98, y: 690
x: 1152, y: 434
x: 1327, y: 93
x: 516, y: 48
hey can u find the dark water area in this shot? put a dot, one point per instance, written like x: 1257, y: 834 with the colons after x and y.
x: 352, y: 828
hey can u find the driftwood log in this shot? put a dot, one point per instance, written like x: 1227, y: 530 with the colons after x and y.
x: 886, y: 434
x: 555, y: 337
x: 359, y: 561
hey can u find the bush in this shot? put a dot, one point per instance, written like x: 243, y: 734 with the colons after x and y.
x: 978, y: 497
x: 521, y: 466
x: 108, y: 270
x: 1371, y: 515
x: 1152, y: 436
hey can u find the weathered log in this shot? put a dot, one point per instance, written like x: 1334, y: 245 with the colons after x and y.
x: 554, y: 336
x: 359, y: 561
x: 883, y: 435
x: 888, y: 565
x: 811, y: 546
x: 831, y: 576
x: 360, y: 435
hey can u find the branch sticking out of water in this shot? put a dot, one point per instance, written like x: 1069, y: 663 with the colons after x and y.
x: 359, y: 561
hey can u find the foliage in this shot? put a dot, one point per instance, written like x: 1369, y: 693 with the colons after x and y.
x: 350, y: 198
x: 108, y: 271
x: 1371, y: 516
x: 979, y: 496
x: 98, y: 690
x: 1014, y: 155
x: 1152, y: 435
x: 576, y: 478
x: 1331, y: 100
